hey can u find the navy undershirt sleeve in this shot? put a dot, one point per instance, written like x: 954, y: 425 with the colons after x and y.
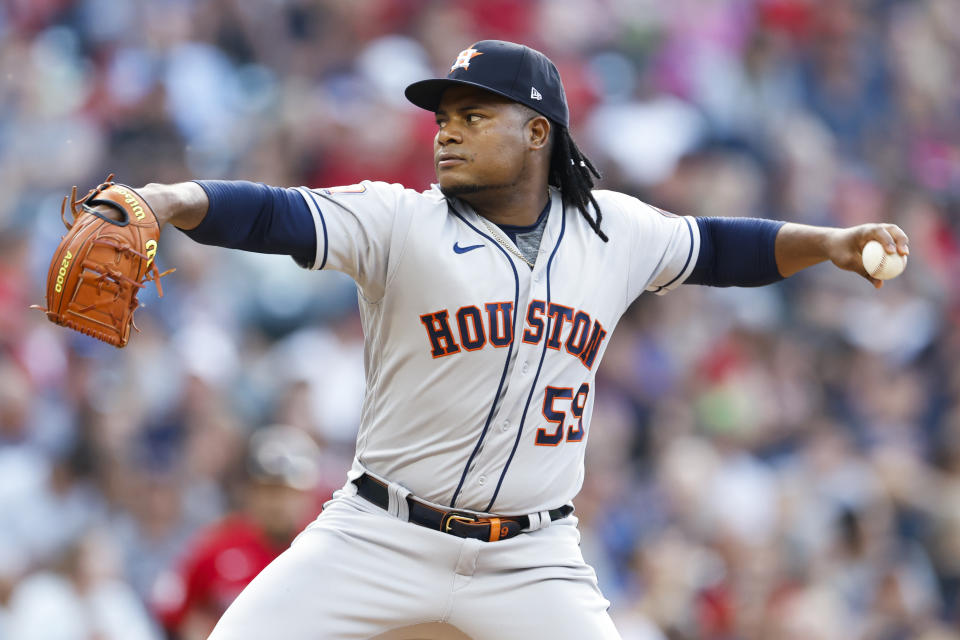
x: 736, y: 252
x: 256, y: 217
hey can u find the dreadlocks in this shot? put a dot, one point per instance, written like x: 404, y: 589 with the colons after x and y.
x: 574, y: 174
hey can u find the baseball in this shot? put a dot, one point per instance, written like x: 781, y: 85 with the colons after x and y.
x: 880, y: 264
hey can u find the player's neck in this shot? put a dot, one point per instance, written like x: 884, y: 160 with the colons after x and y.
x: 518, y: 208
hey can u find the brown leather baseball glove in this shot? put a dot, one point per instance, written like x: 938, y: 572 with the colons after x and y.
x: 101, y: 264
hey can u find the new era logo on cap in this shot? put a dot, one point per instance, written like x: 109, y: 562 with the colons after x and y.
x: 534, y: 94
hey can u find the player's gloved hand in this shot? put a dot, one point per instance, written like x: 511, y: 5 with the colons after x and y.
x: 845, y: 246
x: 102, y: 263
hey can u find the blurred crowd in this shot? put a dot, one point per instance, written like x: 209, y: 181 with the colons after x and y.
x: 775, y: 463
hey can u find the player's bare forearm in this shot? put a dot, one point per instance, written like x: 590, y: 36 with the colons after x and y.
x: 183, y: 205
x: 799, y: 246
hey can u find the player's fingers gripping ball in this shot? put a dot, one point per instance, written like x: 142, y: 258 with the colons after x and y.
x: 102, y: 264
x: 882, y: 265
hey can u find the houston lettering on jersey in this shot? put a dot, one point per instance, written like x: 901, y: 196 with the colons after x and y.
x: 471, y: 329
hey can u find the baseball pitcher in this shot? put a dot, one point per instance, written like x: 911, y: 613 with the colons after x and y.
x: 487, y: 302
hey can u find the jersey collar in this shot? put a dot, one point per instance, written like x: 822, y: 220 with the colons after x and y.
x: 551, y: 231
x: 555, y: 202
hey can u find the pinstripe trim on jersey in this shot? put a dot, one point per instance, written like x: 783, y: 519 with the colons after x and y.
x: 506, y: 364
x: 688, y: 265
x: 320, y: 224
x: 536, y: 377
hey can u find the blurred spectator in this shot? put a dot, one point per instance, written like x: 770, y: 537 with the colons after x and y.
x: 276, y: 499
x: 83, y: 598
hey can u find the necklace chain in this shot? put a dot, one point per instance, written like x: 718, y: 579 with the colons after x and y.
x: 503, y: 242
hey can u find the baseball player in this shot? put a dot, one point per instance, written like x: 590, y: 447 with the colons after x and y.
x: 487, y: 304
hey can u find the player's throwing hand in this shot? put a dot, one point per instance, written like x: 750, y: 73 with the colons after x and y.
x: 845, y: 248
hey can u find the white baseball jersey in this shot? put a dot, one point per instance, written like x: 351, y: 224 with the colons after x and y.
x: 480, y: 371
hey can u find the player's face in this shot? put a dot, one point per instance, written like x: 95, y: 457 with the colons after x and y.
x: 480, y: 142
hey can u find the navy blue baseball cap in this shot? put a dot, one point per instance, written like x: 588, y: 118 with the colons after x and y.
x: 511, y: 70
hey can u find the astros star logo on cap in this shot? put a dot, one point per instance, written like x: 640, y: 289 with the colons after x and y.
x: 463, y: 60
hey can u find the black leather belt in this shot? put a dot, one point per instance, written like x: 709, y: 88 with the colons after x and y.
x: 456, y: 523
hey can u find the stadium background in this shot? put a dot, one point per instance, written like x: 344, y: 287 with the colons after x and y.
x: 772, y: 463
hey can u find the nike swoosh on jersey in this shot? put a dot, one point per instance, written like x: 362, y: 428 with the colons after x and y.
x: 458, y: 249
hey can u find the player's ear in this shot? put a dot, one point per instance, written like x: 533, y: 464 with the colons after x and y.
x: 538, y: 132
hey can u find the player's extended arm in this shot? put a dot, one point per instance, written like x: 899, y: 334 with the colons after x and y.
x: 750, y: 252
x: 238, y: 215
x: 799, y: 246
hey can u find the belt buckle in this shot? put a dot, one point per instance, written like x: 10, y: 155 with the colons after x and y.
x: 458, y: 516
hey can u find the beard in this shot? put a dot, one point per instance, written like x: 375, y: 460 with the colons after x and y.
x: 459, y: 190
x: 465, y: 190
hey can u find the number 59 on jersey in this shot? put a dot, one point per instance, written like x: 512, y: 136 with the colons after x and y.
x: 555, y: 399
